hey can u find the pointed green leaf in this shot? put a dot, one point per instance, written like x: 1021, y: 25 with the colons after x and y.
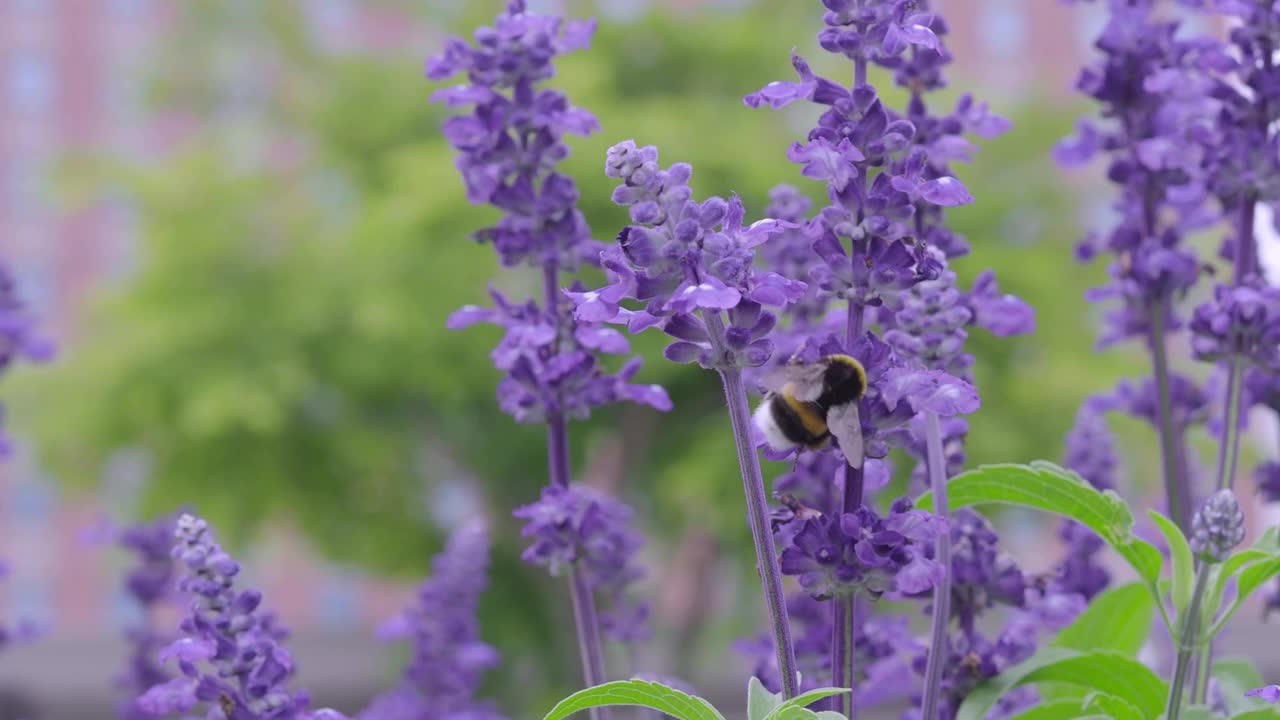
x: 1183, y: 562
x: 1235, y: 676
x: 1106, y: 672
x: 803, y: 700
x: 642, y: 693
x: 760, y: 702
x: 1045, y: 486
x: 1118, y: 620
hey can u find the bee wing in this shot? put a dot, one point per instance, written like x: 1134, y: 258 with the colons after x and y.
x: 805, y: 381
x: 844, y: 424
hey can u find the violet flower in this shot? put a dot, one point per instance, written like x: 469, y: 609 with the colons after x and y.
x: 17, y: 631
x: 883, y: 234
x: 150, y: 583
x: 448, y: 657
x: 688, y: 267
x: 508, y: 148
x: 1266, y: 693
x: 229, y: 656
x: 1158, y: 113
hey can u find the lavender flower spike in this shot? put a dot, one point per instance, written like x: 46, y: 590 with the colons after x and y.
x: 508, y: 148
x: 688, y: 266
x: 448, y: 657
x: 229, y: 654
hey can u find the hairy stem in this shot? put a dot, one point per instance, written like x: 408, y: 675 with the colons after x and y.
x: 941, y: 592
x: 1229, y: 451
x: 1187, y: 641
x: 761, y: 534
x: 1177, y: 492
x: 735, y: 394
x: 1246, y: 248
x: 1200, y: 691
x: 585, y: 619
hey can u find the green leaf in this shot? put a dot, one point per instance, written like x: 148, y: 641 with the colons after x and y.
x: 1259, y: 714
x: 803, y: 700
x: 830, y: 715
x: 760, y: 702
x: 1116, y: 620
x: 1183, y: 562
x: 1112, y: 707
x: 1059, y: 710
x: 1235, y: 676
x: 1107, y: 672
x: 643, y: 693
x: 1045, y: 486
x: 1252, y: 577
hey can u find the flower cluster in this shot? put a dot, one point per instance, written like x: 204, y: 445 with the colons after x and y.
x: 554, y: 371
x: 508, y: 149
x: 229, y: 655
x: 448, y: 657
x: 687, y: 263
x: 861, y: 552
x: 150, y: 583
x: 582, y: 527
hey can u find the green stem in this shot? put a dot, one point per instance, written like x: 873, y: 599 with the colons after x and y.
x: 1187, y: 641
x: 1201, y: 689
x: 1229, y: 451
x: 1177, y: 494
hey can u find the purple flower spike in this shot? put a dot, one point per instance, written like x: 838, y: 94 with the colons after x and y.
x: 229, y: 655
x: 448, y: 658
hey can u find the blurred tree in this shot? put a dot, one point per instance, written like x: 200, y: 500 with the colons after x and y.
x: 281, y: 350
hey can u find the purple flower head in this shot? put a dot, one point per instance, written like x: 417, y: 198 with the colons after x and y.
x: 1241, y: 322
x: 1091, y: 450
x: 510, y: 143
x: 865, y: 553
x: 551, y: 364
x: 982, y: 575
x: 449, y: 658
x: 690, y: 264
x: 1267, y: 475
x: 1189, y: 404
x: 580, y: 525
x: 1080, y: 573
x: 229, y: 654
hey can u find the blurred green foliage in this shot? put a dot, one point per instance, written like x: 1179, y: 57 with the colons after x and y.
x: 281, y: 353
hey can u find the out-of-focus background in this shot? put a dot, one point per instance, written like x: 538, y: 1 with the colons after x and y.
x: 239, y: 220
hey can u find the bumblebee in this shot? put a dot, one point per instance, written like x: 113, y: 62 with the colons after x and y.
x: 809, y: 403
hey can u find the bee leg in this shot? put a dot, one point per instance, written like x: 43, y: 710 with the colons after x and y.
x: 795, y: 464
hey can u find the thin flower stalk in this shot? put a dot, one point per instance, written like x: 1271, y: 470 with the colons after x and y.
x: 938, y: 652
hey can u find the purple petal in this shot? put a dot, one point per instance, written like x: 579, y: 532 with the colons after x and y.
x: 469, y: 315
x: 682, y: 352
x: 459, y: 95
x: 918, y: 34
x: 577, y: 35
x: 1270, y: 693
x: 188, y: 650
x: 946, y: 191
x: 918, y: 576
x: 176, y: 696
x: 931, y: 390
